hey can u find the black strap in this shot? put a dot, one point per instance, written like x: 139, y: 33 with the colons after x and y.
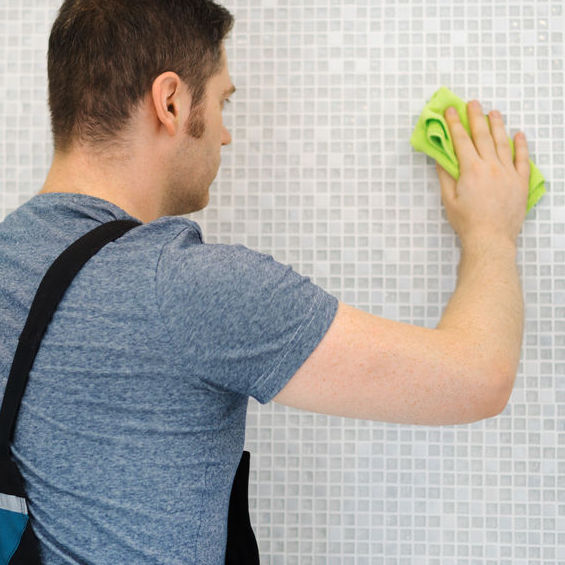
x: 50, y: 292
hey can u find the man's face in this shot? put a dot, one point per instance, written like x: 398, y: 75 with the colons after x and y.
x: 197, y: 159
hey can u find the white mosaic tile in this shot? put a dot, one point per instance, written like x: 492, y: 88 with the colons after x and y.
x: 322, y: 176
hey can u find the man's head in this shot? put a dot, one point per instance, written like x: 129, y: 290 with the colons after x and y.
x: 146, y: 78
x: 105, y: 54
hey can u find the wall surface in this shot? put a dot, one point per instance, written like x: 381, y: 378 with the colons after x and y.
x: 322, y: 176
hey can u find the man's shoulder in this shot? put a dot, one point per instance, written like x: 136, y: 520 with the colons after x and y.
x: 162, y: 235
x: 180, y: 235
x: 173, y: 226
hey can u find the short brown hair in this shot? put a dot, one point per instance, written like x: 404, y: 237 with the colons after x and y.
x: 105, y: 54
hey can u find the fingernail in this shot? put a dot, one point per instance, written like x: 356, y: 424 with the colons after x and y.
x: 451, y: 111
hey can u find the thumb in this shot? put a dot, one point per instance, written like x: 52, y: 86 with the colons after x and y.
x: 447, y: 184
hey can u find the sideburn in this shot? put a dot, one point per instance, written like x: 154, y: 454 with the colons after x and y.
x: 195, y: 124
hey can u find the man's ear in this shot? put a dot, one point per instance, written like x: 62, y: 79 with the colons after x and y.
x: 171, y: 101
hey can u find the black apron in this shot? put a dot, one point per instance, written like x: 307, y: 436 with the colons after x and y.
x: 18, y: 543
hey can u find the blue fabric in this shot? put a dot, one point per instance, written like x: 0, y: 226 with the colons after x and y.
x: 133, y: 422
x: 12, y: 526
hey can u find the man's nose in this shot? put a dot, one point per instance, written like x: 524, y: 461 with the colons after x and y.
x: 226, y: 137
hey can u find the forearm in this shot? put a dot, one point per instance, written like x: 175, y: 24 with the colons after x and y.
x: 487, y: 308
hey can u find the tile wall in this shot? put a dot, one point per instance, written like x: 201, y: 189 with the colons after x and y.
x: 322, y: 176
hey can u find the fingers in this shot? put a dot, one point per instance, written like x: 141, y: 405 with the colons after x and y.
x: 522, y: 157
x: 500, y: 137
x: 482, y: 137
x: 461, y: 141
x: 481, y: 142
x: 487, y: 143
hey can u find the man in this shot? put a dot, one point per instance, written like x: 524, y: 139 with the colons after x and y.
x: 133, y: 420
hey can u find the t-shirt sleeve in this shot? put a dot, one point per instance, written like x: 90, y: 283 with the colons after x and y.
x: 241, y: 321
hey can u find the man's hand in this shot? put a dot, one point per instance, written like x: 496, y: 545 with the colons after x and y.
x: 488, y: 202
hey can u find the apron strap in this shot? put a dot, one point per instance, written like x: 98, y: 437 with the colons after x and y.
x: 49, y: 294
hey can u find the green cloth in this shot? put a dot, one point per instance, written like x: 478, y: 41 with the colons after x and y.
x: 431, y: 136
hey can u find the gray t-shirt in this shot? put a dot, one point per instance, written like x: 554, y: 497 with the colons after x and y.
x: 133, y: 421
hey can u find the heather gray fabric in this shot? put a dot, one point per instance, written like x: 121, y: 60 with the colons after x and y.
x: 133, y: 422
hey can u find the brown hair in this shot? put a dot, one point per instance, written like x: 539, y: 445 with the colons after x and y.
x: 105, y: 54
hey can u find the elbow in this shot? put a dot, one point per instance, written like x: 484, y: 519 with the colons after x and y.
x: 484, y: 378
x: 497, y: 389
x: 495, y: 406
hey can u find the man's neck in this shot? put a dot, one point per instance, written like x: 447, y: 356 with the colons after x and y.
x: 80, y: 173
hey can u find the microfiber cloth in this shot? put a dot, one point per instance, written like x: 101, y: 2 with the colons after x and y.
x: 431, y: 136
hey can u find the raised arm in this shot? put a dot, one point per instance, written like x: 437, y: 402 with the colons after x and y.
x: 463, y: 370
